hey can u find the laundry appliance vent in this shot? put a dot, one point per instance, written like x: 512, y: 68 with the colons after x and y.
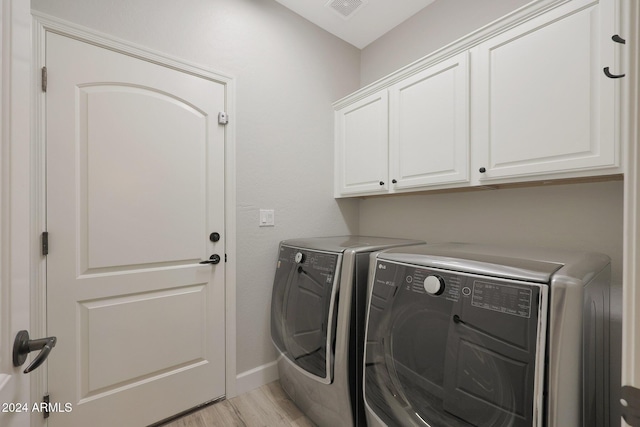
x: 345, y: 8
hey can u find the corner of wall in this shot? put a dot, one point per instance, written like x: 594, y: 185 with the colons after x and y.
x: 256, y: 377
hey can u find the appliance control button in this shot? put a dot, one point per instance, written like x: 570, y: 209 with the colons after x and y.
x: 299, y: 257
x: 434, y: 285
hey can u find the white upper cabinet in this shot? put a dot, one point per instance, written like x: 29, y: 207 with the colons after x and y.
x: 361, y: 154
x: 541, y: 103
x: 428, y: 127
x: 411, y: 136
x: 525, y: 98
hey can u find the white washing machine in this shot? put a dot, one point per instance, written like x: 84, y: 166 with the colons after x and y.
x: 465, y: 335
x: 317, y: 323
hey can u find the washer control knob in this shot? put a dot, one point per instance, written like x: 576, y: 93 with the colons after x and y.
x: 299, y: 257
x: 434, y: 285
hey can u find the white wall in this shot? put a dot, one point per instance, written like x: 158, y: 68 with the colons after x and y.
x: 288, y: 73
x: 437, y: 25
x: 584, y: 216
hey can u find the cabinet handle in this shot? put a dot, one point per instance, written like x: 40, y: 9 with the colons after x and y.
x: 393, y: 181
x: 381, y: 183
x: 482, y: 170
x: 612, y: 76
x: 616, y: 38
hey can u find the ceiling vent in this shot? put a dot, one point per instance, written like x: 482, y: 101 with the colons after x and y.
x: 346, y: 8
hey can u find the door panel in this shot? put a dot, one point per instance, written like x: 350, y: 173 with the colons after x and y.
x: 135, y: 179
x: 104, y: 364
x: 156, y: 136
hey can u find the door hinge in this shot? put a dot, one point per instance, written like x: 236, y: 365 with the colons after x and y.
x: 45, y: 243
x: 44, y: 79
x: 45, y: 405
x: 630, y: 405
x: 223, y: 118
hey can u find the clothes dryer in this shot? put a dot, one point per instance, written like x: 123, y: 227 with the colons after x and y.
x: 317, y: 323
x: 469, y: 335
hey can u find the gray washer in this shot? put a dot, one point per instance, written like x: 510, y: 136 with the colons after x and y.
x: 473, y: 335
x: 317, y: 323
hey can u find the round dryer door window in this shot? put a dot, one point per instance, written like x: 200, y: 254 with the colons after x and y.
x: 459, y: 351
x: 303, y: 312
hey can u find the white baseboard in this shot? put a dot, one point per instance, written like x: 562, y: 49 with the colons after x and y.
x: 256, y: 377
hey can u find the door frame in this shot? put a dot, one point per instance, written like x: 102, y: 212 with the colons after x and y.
x: 42, y: 24
x: 631, y: 138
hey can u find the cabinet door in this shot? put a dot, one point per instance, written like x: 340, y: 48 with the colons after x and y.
x: 541, y: 102
x: 362, y: 146
x: 429, y: 126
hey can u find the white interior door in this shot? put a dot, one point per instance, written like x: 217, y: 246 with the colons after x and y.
x: 135, y: 187
x: 15, y: 19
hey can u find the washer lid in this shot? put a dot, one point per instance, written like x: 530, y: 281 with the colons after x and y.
x: 353, y: 243
x: 478, y: 259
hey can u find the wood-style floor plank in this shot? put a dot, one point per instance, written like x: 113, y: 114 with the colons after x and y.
x: 267, y: 406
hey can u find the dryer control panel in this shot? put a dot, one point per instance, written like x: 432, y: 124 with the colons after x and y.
x: 502, y: 298
x: 488, y: 293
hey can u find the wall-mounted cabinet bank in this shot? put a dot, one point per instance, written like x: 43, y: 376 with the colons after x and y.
x: 531, y: 97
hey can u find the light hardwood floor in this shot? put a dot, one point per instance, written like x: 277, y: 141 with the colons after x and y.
x: 266, y: 406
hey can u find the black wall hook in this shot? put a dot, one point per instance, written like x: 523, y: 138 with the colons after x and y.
x: 612, y: 76
x: 616, y: 38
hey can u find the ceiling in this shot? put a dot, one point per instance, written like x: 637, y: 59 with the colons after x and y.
x: 358, y: 22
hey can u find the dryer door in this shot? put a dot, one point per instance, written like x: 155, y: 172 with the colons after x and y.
x: 303, y: 309
x: 452, y: 349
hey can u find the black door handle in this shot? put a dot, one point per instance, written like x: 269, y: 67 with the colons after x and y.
x: 22, y: 346
x: 213, y: 259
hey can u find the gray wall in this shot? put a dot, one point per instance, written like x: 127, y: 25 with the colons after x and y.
x: 437, y: 25
x: 573, y: 216
x: 288, y: 73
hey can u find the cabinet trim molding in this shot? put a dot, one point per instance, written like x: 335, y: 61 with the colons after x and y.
x: 513, y: 19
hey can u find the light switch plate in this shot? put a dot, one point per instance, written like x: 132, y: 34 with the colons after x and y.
x: 267, y: 218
